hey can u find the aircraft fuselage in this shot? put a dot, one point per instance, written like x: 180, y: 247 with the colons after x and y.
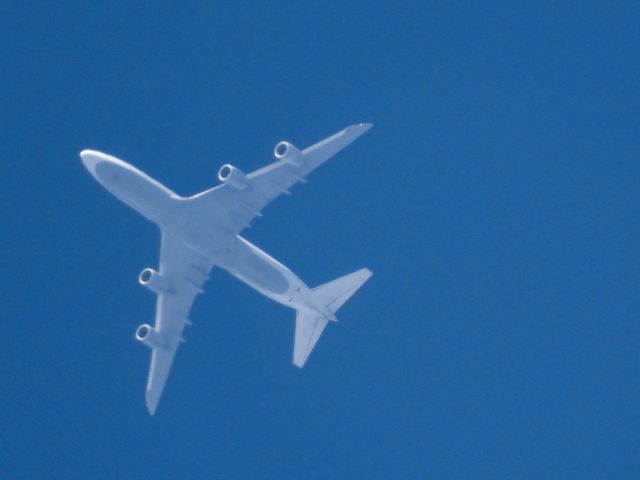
x: 172, y: 213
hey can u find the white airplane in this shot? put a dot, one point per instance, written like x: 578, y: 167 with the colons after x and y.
x: 201, y: 231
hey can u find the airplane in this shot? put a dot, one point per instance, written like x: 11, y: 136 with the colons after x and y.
x: 203, y: 231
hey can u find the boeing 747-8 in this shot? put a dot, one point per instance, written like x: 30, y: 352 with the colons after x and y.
x: 202, y: 231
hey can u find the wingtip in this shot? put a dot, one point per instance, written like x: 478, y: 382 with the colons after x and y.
x: 360, y: 128
x: 367, y: 272
x: 152, y: 405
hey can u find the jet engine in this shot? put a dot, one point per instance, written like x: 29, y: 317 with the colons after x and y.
x: 233, y: 176
x: 288, y: 153
x: 149, y: 336
x: 153, y: 281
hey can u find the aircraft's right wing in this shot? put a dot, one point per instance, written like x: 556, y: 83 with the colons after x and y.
x: 235, y: 203
x: 184, y: 271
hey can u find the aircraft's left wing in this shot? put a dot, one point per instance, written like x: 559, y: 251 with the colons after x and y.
x: 235, y: 203
x: 184, y: 271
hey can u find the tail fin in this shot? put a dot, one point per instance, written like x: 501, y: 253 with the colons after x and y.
x: 333, y: 295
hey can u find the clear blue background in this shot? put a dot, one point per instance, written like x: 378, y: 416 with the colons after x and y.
x: 496, y: 200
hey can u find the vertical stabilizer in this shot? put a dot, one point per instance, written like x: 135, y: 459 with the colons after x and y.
x: 333, y: 295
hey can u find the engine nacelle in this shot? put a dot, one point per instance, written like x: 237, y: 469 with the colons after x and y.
x: 153, y: 281
x: 233, y: 176
x: 288, y: 153
x: 149, y: 336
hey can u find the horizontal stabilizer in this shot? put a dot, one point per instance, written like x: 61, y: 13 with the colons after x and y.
x: 334, y: 294
x: 309, y: 326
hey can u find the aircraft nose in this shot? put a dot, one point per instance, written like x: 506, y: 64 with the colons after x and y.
x: 91, y: 158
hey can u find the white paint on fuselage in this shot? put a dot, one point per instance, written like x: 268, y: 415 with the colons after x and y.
x: 172, y: 213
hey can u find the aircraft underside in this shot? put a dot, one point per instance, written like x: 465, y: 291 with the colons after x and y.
x: 202, y: 231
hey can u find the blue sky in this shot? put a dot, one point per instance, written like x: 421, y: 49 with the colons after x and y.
x: 496, y: 201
